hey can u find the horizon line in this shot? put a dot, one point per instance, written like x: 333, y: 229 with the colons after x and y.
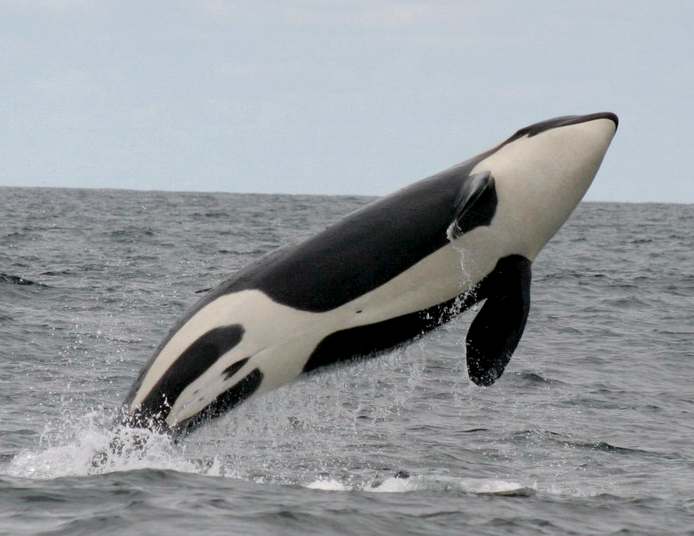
x: 373, y: 196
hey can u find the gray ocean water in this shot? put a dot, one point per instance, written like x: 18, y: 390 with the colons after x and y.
x: 590, y: 430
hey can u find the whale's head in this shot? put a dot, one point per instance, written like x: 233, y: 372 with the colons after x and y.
x: 543, y: 171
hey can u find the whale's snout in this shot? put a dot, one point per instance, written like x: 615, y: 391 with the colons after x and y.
x: 603, y: 115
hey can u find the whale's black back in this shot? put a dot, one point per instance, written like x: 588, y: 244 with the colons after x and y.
x: 362, y: 251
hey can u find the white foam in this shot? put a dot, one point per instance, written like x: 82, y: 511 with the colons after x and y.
x: 327, y: 484
x: 394, y: 485
x: 478, y: 486
x: 491, y: 486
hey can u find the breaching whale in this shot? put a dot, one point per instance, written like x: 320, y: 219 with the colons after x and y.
x: 382, y: 276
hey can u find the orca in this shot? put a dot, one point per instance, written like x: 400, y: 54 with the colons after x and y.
x: 381, y: 277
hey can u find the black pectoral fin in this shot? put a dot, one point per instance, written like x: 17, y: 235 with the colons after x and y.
x: 475, y: 204
x: 498, y: 327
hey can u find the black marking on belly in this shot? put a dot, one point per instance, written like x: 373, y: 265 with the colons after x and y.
x: 370, y: 340
x: 223, y: 403
x: 188, y: 367
x: 234, y: 367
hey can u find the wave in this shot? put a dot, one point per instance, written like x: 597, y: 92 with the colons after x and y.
x: 534, y: 378
x: 10, y: 279
x: 538, y: 436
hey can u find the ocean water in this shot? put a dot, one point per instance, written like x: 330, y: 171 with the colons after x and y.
x: 589, y: 431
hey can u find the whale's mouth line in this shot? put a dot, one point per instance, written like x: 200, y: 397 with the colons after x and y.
x: 557, y: 122
x: 591, y: 117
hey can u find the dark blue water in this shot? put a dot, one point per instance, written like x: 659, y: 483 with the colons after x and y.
x: 590, y: 431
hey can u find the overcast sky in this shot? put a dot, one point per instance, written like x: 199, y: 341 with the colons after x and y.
x: 334, y: 96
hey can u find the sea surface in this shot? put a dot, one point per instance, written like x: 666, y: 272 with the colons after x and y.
x: 589, y: 431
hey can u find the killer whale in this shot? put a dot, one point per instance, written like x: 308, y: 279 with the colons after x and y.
x: 380, y: 277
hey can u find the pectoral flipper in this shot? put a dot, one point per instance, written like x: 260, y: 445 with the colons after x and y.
x: 498, y: 327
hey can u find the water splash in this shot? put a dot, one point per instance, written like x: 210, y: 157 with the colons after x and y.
x: 467, y: 283
x: 284, y: 436
x: 83, y: 446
